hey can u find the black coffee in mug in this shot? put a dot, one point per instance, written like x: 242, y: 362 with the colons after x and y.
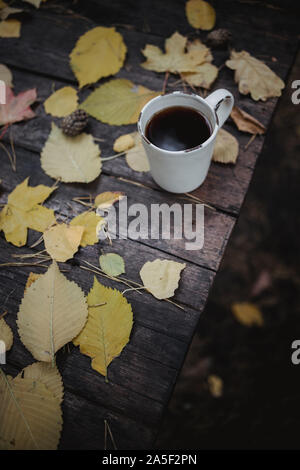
x: 178, y: 128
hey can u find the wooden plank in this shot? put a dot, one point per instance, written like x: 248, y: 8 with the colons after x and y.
x: 217, y: 225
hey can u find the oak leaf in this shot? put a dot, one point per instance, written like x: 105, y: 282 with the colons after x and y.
x: 247, y: 314
x: 161, y: 277
x: 71, y: 159
x: 30, y: 414
x: 98, y: 53
x: 62, y: 241
x: 6, y: 334
x: 205, y: 73
x: 254, y: 76
x: 245, y: 122
x: 200, y: 14
x: 89, y: 220
x: 226, y: 148
x: 52, y: 312
x: 62, y: 102
x: 23, y: 211
x: 176, y: 59
x: 112, y: 264
x: 108, y: 327
x: 17, y: 108
x: 118, y: 102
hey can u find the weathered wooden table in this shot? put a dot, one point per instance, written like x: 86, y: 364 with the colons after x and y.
x: 142, y: 378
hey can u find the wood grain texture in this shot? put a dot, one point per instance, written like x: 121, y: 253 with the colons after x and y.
x: 142, y: 378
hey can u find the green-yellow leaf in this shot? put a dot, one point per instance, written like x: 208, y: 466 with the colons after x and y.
x: 98, y: 53
x: 118, y: 102
x: 161, y: 277
x: 112, y: 264
x: 108, y: 327
x: 52, y: 312
x: 89, y: 220
x: 71, y: 159
x: 30, y: 415
x: 62, y: 102
x: 200, y: 14
x: 23, y: 211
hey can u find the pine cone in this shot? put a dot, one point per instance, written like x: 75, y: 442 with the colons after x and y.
x: 219, y: 38
x: 74, y: 123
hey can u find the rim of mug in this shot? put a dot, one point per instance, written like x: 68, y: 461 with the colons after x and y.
x: 186, y: 151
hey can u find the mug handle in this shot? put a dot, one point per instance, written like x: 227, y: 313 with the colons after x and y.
x: 222, y: 103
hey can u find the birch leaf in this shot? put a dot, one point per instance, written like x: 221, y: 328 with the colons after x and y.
x: 52, y: 312
x: 106, y: 199
x: 176, y: 59
x: 136, y: 157
x: 108, y: 327
x: 71, y: 159
x: 118, y: 102
x: 161, y: 277
x: 31, y: 279
x: 30, y: 415
x: 112, y: 264
x: 17, y: 108
x: 245, y: 122
x: 23, y: 211
x: 200, y: 14
x: 247, y: 314
x: 62, y: 102
x: 98, y: 53
x: 48, y: 375
x: 226, y: 148
x: 6, y: 75
x: 62, y: 241
x: 89, y: 221
x: 10, y: 28
x: 6, y: 334
x: 254, y: 76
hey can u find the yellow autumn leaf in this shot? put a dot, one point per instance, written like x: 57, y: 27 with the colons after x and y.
x: 23, y: 211
x: 30, y: 414
x: 71, y: 159
x: 122, y: 143
x: 161, y: 277
x: 226, y: 148
x: 200, y: 14
x: 136, y: 157
x: 205, y: 73
x: 89, y: 221
x: 6, y: 75
x: 118, y: 102
x: 62, y: 102
x: 48, y: 374
x: 62, y: 241
x: 106, y: 199
x: 108, y: 327
x: 215, y: 385
x: 176, y: 59
x: 245, y: 122
x: 254, y: 76
x: 6, y: 334
x: 10, y: 28
x: 98, y: 53
x: 62, y: 313
x: 247, y: 314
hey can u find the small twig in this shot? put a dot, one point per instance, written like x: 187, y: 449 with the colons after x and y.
x: 3, y: 131
x: 112, y: 157
x: 37, y: 242
x: 133, y: 288
x: 38, y: 263
x: 165, y: 83
x: 11, y: 159
x: 3, y: 314
x: 97, y: 305
x: 250, y: 141
x: 133, y: 182
x: 97, y: 139
x: 110, y: 435
x: 14, y: 166
x: 196, y: 199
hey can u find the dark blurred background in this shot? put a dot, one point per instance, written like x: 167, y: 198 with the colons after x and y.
x: 238, y: 388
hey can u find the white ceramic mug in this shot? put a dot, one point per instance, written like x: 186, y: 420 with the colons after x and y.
x: 183, y: 171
